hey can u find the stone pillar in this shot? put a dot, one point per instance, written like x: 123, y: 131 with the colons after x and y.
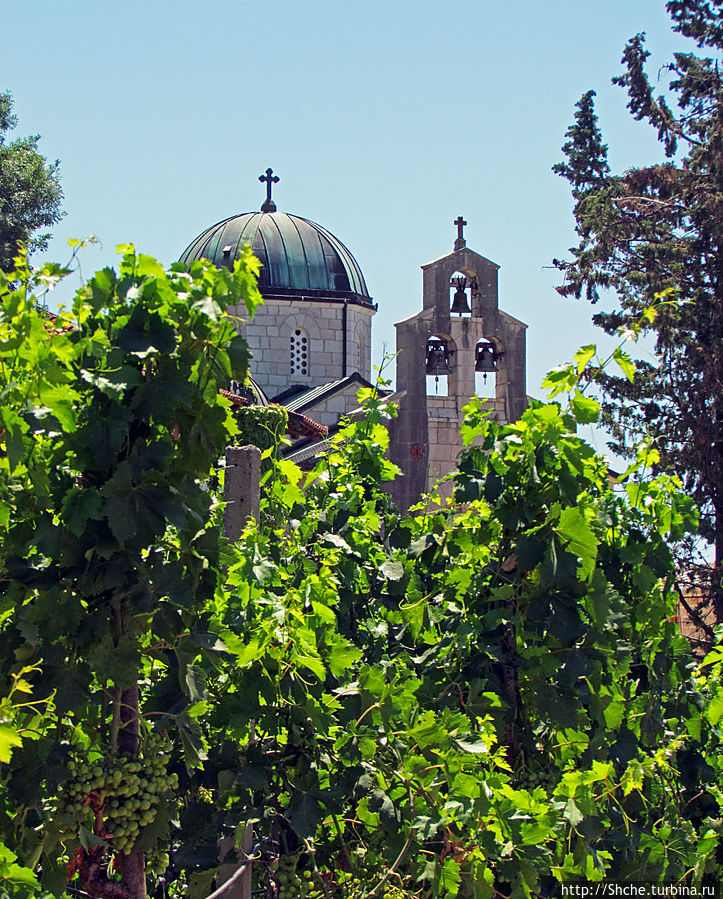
x: 241, y: 495
x: 241, y: 488
x: 240, y: 886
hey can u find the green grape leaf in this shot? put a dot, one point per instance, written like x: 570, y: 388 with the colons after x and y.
x: 342, y: 656
x: 578, y: 537
x: 584, y: 355
x: 585, y: 409
x: 393, y: 571
x: 572, y: 812
x: 9, y: 739
x: 305, y: 814
x: 626, y: 364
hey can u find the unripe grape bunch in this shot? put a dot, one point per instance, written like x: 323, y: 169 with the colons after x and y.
x: 122, y: 791
x: 354, y: 886
x: 290, y: 883
x: 539, y: 777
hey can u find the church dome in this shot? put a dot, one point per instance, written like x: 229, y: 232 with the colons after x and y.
x: 298, y: 256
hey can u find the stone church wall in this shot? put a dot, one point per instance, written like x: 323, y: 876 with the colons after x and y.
x: 443, y: 425
x: 359, y: 329
x: 321, y: 324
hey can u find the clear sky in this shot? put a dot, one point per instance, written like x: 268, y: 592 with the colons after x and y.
x: 384, y: 121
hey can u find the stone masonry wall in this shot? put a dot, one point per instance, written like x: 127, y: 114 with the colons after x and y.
x: 277, y: 320
x: 444, y: 421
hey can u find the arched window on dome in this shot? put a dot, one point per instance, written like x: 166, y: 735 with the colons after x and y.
x: 299, y: 353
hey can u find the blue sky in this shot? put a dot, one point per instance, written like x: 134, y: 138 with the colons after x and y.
x: 384, y: 121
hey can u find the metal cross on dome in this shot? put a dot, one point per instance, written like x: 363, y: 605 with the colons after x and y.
x: 269, y: 178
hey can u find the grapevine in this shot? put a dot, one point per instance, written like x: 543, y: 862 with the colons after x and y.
x: 262, y: 426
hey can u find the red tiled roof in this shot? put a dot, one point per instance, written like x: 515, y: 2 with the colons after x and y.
x: 301, y: 426
x: 235, y: 398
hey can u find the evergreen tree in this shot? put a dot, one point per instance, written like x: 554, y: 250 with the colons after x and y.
x: 30, y: 192
x: 655, y: 229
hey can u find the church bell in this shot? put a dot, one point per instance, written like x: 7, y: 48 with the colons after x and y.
x: 437, y: 361
x: 460, y: 306
x: 485, y: 358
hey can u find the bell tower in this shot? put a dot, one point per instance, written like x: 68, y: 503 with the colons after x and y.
x: 461, y: 344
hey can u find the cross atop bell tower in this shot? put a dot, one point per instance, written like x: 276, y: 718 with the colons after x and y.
x: 460, y: 243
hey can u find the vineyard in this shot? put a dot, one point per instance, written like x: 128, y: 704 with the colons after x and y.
x: 480, y: 698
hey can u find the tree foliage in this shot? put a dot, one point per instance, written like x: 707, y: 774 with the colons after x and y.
x: 654, y: 230
x: 481, y: 698
x: 30, y: 192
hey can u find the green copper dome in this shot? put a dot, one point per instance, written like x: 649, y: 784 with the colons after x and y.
x: 298, y: 256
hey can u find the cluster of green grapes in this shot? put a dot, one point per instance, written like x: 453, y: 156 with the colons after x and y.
x: 349, y: 884
x: 126, y: 790
x: 539, y: 777
x: 290, y: 883
x: 392, y: 891
x: 352, y: 887
x: 157, y: 862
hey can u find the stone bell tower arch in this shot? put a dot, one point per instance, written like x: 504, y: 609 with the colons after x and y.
x: 459, y: 334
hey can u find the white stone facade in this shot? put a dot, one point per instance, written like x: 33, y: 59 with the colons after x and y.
x: 272, y: 336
